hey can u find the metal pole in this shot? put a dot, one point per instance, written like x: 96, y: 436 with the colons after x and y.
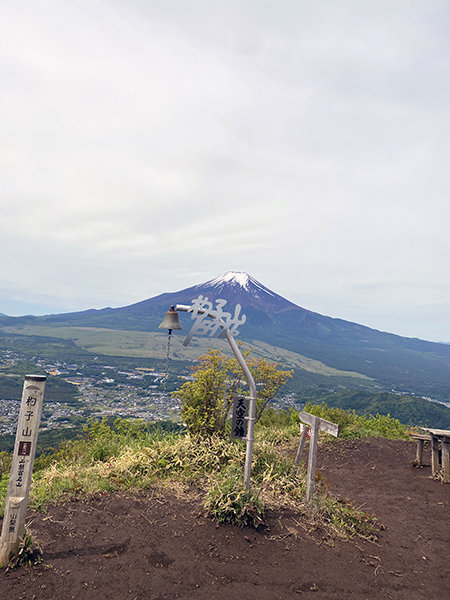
x: 252, y: 407
x: 252, y: 387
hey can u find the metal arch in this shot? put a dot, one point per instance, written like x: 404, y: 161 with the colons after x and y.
x: 252, y: 388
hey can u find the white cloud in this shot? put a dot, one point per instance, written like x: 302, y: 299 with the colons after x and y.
x: 148, y: 146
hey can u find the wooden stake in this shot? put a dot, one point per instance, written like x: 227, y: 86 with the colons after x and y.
x: 302, y: 444
x: 22, y: 465
x: 446, y: 461
x: 310, y: 478
x: 315, y: 423
x: 434, y: 455
x: 419, y: 453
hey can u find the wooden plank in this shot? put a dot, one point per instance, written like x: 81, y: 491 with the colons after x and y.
x: 439, y: 432
x: 421, y: 436
x: 324, y: 425
x: 310, y: 477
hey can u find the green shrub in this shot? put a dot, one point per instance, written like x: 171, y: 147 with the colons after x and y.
x: 207, y: 399
x: 272, y: 417
x: 352, y: 425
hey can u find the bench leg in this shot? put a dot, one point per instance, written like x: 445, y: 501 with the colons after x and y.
x: 434, y: 456
x: 446, y: 461
x: 419, y: 454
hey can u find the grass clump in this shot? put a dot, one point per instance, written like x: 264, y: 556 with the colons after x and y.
x: 342, y: 516
x: 228, y: 501
x: 113, y: 458
x: 278, y: 475
x: 28, y: 553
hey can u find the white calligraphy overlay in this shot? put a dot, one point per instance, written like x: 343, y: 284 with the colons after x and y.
x: 208, y: 320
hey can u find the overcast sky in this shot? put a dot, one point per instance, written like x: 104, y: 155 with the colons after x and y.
x: 147, y: 146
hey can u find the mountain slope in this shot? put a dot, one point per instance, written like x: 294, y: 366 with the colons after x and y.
x: 403, y: 364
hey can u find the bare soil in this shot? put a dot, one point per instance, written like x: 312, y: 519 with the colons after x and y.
x: 155, y: 545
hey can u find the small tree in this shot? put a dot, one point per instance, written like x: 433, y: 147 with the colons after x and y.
x: 207, y: 399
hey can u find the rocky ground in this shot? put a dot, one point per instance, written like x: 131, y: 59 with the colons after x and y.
x: 155, y: 545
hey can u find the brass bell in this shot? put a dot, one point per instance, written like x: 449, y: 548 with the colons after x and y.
x: 171, y: 321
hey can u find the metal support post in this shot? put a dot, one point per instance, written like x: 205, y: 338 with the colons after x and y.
x: 252, y: 387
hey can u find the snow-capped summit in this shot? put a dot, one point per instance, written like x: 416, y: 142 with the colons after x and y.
x: 242, y: 288
x: 234, y: 278
x: 238, y: 278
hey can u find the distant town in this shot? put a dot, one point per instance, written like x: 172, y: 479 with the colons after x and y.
x: 99, y: 391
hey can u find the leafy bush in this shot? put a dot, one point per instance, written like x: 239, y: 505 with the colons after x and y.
x: 207, y: 399
x: 272, y: 417
x: 352, y: 425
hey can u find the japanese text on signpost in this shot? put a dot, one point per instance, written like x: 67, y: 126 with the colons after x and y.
x: 22, y: 465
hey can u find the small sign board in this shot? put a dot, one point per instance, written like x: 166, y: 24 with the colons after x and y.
x: 239, y: 420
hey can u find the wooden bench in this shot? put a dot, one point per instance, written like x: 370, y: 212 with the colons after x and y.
x: 440, y: 439
x: 421, y: 439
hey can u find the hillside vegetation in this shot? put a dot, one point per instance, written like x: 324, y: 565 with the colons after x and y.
x: 132, y: 455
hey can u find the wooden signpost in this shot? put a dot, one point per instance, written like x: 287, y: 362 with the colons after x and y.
x: 316, y: 424
x: 22, y: 465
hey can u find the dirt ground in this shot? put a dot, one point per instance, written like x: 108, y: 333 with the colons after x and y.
x: 157, y: 546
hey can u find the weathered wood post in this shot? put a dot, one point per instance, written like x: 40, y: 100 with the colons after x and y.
x: 311, y: 474
x: 434, y: 455
x: 316, y: 424
x: 302, y: 443
x: 446, y: 460
x: 440, y: 438
x: 419, y: 452
x: 22, y: 465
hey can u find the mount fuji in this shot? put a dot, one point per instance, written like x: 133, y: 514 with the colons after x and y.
x: 394, y: 362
